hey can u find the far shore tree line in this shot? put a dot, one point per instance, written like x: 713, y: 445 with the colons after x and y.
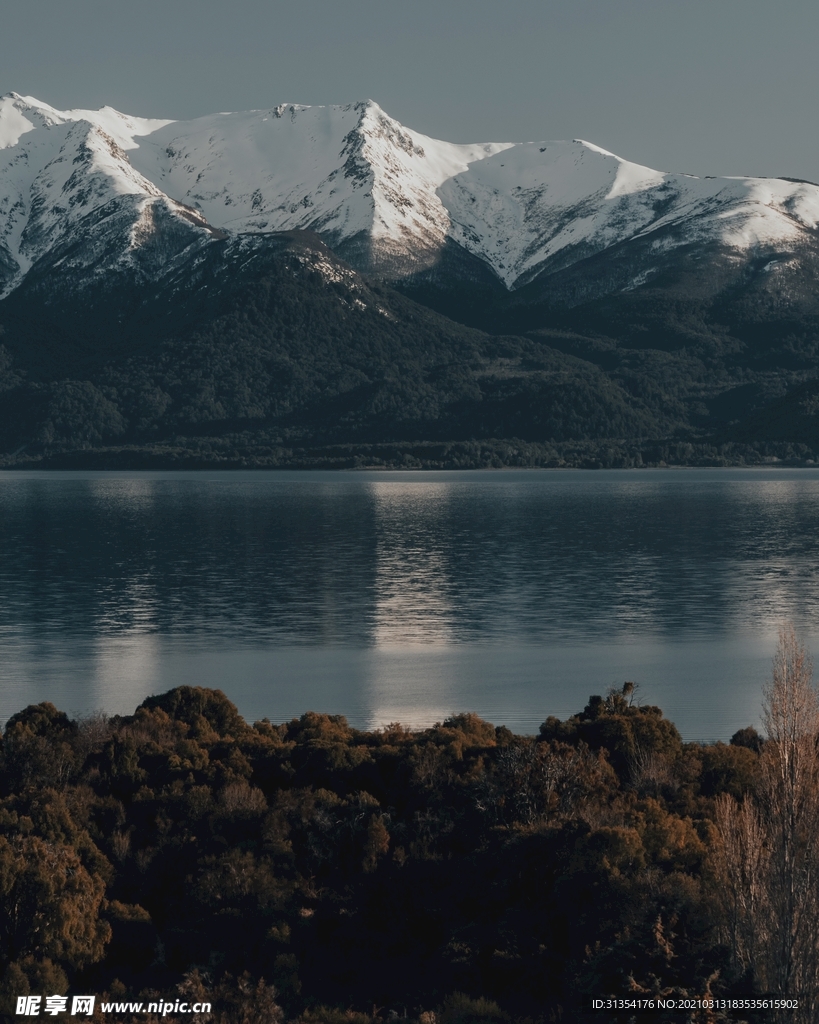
x: 310, y: 872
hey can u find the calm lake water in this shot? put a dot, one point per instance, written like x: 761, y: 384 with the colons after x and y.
x: 406, y: 596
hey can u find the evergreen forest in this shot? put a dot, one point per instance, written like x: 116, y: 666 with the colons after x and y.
x: 272, y: 352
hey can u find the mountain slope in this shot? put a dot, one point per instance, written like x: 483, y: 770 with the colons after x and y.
x: 308, y: 278
x: 386, y: 198
x: 295, y: 348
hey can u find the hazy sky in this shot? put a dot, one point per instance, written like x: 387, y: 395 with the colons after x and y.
x: 703, y: 86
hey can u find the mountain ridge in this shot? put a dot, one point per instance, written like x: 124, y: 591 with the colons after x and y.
x: 387, y: 198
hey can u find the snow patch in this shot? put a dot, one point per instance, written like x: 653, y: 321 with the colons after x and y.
x: 13, y: 123
x: 631, y: 178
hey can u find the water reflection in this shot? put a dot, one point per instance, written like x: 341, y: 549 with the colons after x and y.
x: 405, y: 596
x: 412, y: 589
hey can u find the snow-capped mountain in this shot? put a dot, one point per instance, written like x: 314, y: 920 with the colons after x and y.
x: 104, y: 191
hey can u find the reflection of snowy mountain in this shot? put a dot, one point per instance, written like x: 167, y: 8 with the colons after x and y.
x: 100, y: 191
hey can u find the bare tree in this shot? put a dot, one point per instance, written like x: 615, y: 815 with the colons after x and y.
x: 768, y: 856
x: 743, y: 868
x: 789, y: 799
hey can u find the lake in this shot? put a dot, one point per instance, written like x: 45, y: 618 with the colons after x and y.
x: 406, y: 596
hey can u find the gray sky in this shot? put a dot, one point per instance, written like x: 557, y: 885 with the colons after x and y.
x: 702, y: 86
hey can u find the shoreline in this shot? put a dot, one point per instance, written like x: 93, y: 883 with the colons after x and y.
x: 241, y: 454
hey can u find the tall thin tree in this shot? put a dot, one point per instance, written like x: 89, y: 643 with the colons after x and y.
x: 768, y: 853
x: 789, y: 802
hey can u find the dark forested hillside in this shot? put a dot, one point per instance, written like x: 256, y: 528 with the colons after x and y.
x: 269, y: 350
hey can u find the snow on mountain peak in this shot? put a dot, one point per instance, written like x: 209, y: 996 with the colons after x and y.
x: 387, y: 196
x: 13, y: 121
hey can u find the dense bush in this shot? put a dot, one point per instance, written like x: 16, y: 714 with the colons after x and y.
x: 310, y: 870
